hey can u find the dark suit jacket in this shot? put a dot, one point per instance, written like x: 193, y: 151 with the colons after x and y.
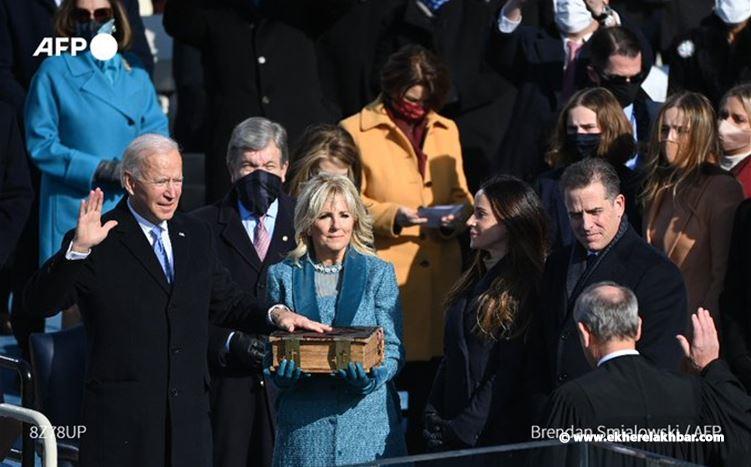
x: 632, y: 263
x: 147, y: 379
x: 239, y: 395
x: 735, y: 300
x: 23, y: 25
x: 478, y: 383
x: 274, y: 73
x: 629, y: 391
x: 16, y: 193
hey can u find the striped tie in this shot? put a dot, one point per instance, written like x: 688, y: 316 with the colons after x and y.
x: 261, y: 238
x: 161, y: 253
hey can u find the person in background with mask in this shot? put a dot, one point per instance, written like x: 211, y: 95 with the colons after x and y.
x: 715, y: 56
x: 619, y: 61
x: 590, y: 125
x: 253, y: 228
x: 688, y: 200
x: 81, y: 113
x: 412, y: 158
x: 545, y: 64
x: 734, y: 129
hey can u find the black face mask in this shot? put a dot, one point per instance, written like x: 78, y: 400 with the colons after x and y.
x: 88, y: 30
x: 583, y: 144
x: 257, y: 190
x: 624, y: 91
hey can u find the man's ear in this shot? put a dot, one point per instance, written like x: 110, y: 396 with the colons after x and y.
x: 592, y: 75
x: 129, y: 183
x: 584, y: 334
x: 638, y: 331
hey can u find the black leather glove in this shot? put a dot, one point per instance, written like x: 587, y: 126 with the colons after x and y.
x: 108, y: 171
x: 247, y: 350
x: 438, y: 433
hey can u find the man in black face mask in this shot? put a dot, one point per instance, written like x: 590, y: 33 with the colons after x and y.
x: 619, y: 61
x: 253, y: 225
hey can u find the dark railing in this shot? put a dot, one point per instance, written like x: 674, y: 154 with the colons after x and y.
x: 23, y: 369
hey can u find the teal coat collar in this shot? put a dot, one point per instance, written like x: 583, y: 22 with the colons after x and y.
x: 350, y: 293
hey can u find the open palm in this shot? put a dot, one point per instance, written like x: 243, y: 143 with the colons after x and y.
x: 89, y: 230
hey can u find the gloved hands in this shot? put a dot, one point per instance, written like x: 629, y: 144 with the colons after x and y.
x: 286, y: 375
x: 247, y: 350
x: 358, y: 379
x: 108, y: 171
x: 438, y: 433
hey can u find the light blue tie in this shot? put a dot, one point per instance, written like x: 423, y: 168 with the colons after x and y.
x: 161, y: 253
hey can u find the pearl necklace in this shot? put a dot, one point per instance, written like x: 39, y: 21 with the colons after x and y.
x: 333, y: 269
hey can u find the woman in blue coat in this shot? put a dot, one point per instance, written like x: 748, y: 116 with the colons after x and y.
x: 81, y: 113
x: 478, y: 396
x: 333, y: 276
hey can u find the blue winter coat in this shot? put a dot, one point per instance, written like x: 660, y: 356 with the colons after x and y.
x: 75, y: 118
x: 320, y: 420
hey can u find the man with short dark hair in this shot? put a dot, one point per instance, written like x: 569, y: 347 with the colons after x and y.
x: 625, y: 391
x: 147, y: 282
x: 607, y: 248
x: 253, y: 228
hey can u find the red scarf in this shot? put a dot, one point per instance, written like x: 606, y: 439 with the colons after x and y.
x: 413, y: 128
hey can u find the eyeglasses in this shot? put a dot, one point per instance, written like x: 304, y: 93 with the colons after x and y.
x: 616, y: 79
x: 101, y: 15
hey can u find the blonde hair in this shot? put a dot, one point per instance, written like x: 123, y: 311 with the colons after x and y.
x: 742, y: 92
x: 324, y: 142
x: 700, y: 146
x: 315, y: 194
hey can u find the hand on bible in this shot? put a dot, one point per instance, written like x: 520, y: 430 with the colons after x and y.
x: 705, y: 346
x: 286, y: 319
x: 89, y: 230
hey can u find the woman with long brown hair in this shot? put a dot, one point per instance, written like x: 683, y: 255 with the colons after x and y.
x: 489, y: 311
x: 591, y: 124
x: 689, y: 201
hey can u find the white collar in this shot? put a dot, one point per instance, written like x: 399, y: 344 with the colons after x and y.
x: 146, y: 225
x: 616, y: 354
x: 270, y: 212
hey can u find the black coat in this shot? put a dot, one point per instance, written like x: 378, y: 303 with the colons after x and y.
x: 735, y: 300
x: 714, y: 66
x: 478, y: 385
x: 628, y: 391
x: 481, y: 99
x: 239, y: 396
x: 16, y: 193
x: 23, y: 25
x: 253, y: 66
x: 629, y: 262
x: 147, y: 379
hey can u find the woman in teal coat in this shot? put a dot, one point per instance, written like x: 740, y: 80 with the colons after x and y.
x: 333, y: 276
x: 81, y: 113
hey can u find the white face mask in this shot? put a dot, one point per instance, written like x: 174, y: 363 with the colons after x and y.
x: 733, y: 11
x: 571, y: 16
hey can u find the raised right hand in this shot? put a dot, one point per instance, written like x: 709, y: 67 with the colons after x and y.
x: 89, y: 230
x: 406, y: 217
x: 704, y: 348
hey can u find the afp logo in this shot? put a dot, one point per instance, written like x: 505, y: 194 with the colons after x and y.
x: 103, y: 46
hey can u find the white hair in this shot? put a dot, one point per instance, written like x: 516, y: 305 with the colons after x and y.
x: 141, y: 148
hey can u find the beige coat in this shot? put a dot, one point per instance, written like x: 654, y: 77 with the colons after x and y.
x: 427, y: 263
x: 695, y: 235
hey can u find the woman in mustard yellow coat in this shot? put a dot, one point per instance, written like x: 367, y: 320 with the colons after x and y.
x: 412, y: 158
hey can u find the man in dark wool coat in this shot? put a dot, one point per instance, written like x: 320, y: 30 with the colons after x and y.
x: 147, y: 282
x: 628, y: 393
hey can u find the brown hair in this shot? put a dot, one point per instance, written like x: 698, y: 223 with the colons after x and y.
x: 412, y: 65
x: 319, y: 142
x: 616, y: 141
x: 701, y: 146
x: 500, y: 313
x: 65, y: 25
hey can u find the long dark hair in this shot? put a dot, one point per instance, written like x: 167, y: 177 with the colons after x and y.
x: 499, y: 310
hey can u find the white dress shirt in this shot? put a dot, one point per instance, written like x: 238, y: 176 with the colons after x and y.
x: 616, y: 354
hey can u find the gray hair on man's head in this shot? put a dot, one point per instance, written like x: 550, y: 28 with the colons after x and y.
x: 609, y: 311
x: 254, y: 134
x: 141, y: 148
x: 588, y: 171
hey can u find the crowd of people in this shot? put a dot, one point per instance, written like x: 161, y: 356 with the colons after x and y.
x: 541, y: 239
